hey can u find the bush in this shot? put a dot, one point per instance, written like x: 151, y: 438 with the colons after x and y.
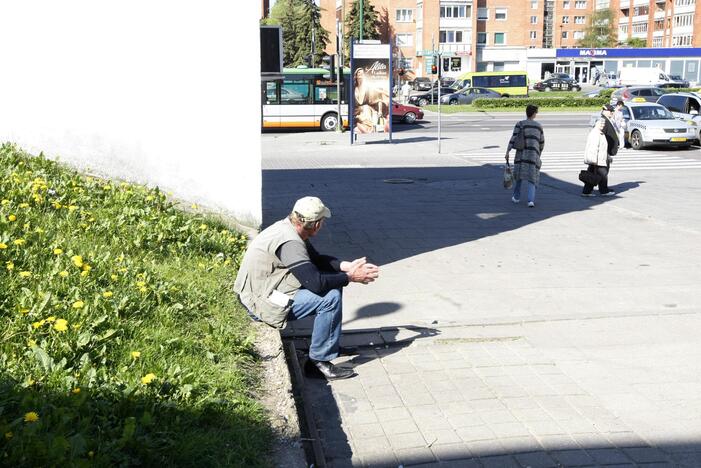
x: 542, y: 102
x: 122, y: 343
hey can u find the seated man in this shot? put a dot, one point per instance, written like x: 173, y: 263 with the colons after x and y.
x: 282, y: 277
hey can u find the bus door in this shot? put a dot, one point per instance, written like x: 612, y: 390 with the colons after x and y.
x: 296, y: 107
x: 271, y: 104
x: 326, y: 102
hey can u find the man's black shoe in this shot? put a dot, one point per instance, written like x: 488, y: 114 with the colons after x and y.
x: 330, y: 371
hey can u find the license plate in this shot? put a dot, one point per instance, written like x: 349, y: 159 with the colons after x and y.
x: 678, y: 139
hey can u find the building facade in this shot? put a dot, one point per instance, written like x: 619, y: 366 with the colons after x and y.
x: 486, y: 35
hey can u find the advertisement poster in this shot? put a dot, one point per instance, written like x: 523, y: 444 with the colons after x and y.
x: 371, y: 85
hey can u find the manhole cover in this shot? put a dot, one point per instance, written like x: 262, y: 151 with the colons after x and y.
x: 398, y: 181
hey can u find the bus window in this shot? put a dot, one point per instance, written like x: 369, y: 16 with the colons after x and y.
x: 294, y: 92
x: 271, y: 93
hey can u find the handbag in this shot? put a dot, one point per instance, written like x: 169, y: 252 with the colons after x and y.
x: 520, y: 141
x: 589, y: 177
x: 508, y: 177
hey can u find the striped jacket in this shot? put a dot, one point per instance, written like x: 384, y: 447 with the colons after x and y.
x: 527, y: 161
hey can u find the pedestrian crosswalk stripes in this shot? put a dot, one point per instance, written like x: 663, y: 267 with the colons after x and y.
x: 625, y: 160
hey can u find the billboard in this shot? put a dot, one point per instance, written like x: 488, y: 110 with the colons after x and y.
x: 371, y: 83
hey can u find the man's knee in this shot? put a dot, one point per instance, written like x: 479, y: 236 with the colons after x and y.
x: 331, y: 301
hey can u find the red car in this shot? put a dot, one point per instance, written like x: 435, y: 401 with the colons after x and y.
x: 406, y: 113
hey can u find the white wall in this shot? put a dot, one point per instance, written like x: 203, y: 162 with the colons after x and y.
x: 162, y: 92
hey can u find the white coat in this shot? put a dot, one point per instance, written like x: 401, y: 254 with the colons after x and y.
x: 596, y: 149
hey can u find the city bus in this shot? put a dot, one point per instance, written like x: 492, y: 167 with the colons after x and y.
x: 304, y: 98
x: 507, y: 83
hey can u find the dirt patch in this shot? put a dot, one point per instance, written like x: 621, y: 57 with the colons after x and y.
x: 277, y: 397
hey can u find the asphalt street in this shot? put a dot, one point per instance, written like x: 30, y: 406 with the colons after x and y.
x: 501, y: 335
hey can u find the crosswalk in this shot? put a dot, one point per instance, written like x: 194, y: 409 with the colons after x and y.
x: 625, y: 160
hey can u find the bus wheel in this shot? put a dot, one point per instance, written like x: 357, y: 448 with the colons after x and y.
x: 329, y: 122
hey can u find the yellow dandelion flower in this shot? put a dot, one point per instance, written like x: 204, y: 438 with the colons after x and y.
x: 149, y: 198
x: 24, y: 205
x: 120, y: 259
x: 51, y: 319
x: 135, y: 354
x: 77, y: 260
x: 203, y: 227
x: 12, y: 218
x: 58, y: 251
x: 32, y: 416
x: 39, y: 231
x: 9, y: 435
x: 78, y: 304
x: 75, y: 391
x: 107, y: 294
x: 72, y: 208
x: 38, y: 324
x: 4, y: 202
x: 63, y: 274
x: 24, y: 311
x: 10, y: 265
x: 107, y: 187
x: 114, y: 277
x: 84, y: 273
x: 140, y: 284
x: 122, y: 270
x: 25, y: 274
x: 31, y: 343
x: 86, y: 267
x: 57, y: 205
x: 3, y: 246
x: 61, y: 325
x: 148, y: 378
x: 19, y: 242
x: 194, y: 206
x: 143, y: 289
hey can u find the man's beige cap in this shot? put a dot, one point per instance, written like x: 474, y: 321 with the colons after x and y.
x: 311, y: 209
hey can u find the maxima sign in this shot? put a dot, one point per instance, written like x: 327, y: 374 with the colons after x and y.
x: 649, y: 52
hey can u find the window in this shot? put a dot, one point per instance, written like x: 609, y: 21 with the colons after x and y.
x: 481, y: 38
x: 405, y: 15
x: 405, y: 39
x: 406, y: 62
x: 499, y: 38
x: 456, y: 11
x: 623, y: 29
x: 566, y: 4
x: 674, y: 103
x: 657, y: 42
x: 681, y: 41
x: 684, y: 20
x: 580, y: 4
x: 534, y: 5
x: 534, y: 35
x: 641, y: 10
x: 639, y: 28
x: 564, y: 34
x: 684, y: 2
x: 565, y: 19
x: 500, y: 14
x: 659, y: 25
x: 534, y: 20
x: 446, y: 36
x: 578, y: 35
x: 271, y: 92
x: 483, y: 13
x: 295, y: 92
x: 579, y: 19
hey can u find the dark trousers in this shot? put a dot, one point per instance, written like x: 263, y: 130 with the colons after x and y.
x: 603, y: 172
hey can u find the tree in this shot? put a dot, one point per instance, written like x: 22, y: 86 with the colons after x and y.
x: 601, y: 31
x: 301, y: 24
x: 371, y: 23
x: 636, y: 42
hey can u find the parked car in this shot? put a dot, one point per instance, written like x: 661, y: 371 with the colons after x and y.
x: 421, y: 83
x: 676, y: 81
x: 685, y: 106
x: 637, y: 94
x: 445, y: 81
x: 652, y: 124
x: 428, y: 97
x: 557, y: 84
x: 406, y: 113
x: 564, y: 76
x: 467, y: 95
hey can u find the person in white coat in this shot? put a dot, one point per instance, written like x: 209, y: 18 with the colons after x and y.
x: 597, y: 158
x: 619, y: 122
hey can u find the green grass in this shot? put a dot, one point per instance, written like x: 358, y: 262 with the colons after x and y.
x: 121, y: 334
x: 471, y: 108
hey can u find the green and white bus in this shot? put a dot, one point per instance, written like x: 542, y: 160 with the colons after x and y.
x: 304, y: 98
x: 507, y: 83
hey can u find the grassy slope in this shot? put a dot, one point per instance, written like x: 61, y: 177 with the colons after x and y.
x: 150, y: 294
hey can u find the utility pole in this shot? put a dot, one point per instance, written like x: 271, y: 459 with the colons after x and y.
x: 361, y: 20
x: 311, y: 4
x: 339, y: 75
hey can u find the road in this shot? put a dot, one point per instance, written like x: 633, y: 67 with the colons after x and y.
x: 451, y: 123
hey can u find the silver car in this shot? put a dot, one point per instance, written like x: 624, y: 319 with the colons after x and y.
x: 467, y: 95
x: 650, y: 124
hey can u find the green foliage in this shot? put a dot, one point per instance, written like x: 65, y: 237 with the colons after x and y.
x: 371, y: 23
x: 122, y: 343
x: 542, y: 102
x: 301, y: 25
x: 601, y: 30
x: 636, y: 42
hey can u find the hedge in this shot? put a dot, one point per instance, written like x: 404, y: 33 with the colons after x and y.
x: 543, y: 102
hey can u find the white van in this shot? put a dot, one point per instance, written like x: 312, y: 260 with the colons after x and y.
x: 640, y: 76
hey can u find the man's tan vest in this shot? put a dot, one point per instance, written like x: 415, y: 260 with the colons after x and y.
x: 261, y: 273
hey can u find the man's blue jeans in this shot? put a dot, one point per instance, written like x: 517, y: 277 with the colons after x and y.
x: 531, y: 191
x: 326, y: 334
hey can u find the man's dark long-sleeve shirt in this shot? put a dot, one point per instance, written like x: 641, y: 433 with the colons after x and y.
x: 315, y: 272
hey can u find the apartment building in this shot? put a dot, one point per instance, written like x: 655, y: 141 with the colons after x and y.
x: 479, y: 35
x: 661, y: 23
